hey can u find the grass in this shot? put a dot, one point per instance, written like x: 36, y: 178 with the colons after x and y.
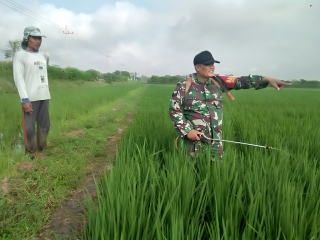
x: 82, y: 119
x: 68, y: 74
x: 156, y: 192
x: 67, y: 103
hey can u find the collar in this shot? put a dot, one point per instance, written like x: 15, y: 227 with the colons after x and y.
x: 31, y: 51
x: 199, y: 80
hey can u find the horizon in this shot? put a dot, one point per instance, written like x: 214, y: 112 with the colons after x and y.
x: 269, y: 38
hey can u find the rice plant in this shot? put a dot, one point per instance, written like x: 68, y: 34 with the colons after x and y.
x: 157, y: 192
x: 65, y: 104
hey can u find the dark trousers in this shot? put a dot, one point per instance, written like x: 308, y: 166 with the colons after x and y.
x: 36, y: 141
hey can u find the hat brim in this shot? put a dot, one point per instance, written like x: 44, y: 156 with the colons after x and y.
x: 209, y: 62
x: 37, y: 35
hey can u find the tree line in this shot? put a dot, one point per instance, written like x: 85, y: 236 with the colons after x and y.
x: 70, y: 73
x: 55, y: 72
x: 167, y: 79
x: 302, y: 83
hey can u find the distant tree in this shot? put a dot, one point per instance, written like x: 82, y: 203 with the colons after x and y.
x: 167, y: 79
x: 12, y: 48
x: 154, y: 79
x: 175, y: 79
x: 122, y: 76
x: 117, y: 72
x: 125, y: 73
x: 133, y: 76
x: 109, y: 77
x: 92, y: 74
x: 144, y: 78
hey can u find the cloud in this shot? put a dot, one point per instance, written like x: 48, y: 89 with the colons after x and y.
x: 275, y: 38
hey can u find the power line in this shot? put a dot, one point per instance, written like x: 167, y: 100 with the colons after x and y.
x: 33, y: 13
x: 50, y: 22
x: 27, y: 15
x: 41, y: 19
x: 55, y: 25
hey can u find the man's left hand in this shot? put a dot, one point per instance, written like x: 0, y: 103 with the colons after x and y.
x: 277, y: 84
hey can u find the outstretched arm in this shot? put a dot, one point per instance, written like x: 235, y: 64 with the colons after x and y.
x: 251, y: 81
x: 277, y: 84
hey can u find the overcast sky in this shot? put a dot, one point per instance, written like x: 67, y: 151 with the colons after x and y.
x: 278, y: 38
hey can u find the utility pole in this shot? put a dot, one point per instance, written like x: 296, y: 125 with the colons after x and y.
x: 66, y: 32
x: 107, y: 61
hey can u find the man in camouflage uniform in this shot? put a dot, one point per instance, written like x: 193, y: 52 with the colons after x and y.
x: 198, y: 111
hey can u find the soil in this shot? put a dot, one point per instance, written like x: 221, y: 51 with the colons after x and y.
x: 4, y: 186
x: 117, y: 107
x: 28, y: 166
x: 40, y: 156
x: 69, y: 218
x: 57, y: 150
x: 74, y: 134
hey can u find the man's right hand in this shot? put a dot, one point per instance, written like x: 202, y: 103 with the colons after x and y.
x: 193, y: 135
x: 27, y: 107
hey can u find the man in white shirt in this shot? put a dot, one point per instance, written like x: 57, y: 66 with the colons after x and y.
x: 31, y: 78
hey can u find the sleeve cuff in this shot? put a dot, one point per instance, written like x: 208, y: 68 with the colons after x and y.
x: 258, y: 79
x: 25, y: 100
x: 185, y: 131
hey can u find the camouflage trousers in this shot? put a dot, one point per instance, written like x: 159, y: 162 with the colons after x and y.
x: 199, y: 147
x: 36, y: 140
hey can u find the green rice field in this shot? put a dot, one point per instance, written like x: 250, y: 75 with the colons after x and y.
x: 66, y: 104
x: 157, y: 192
x: 82, y: 120
x: 154, y: 191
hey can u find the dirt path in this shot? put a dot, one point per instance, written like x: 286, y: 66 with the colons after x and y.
x: 68, y: 220
x: 70, y: 217
x: 4, y: 186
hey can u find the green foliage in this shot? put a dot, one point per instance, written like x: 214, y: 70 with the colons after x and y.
x: 122, y: 73
x: 6, y: 66
x: 175, y: 79
x: 165, y: 79
x: 304, y: 84
x: 54, y: 73
x: 117, y: 76
x: 109, y: 77
x: 6, y: 78
x: 76, y: 74
x: 69, y: 73
x: 12, y: 48
x: 93, y: 74
x: 85, y: 110
x: 6, y: 70
x: 157, y: 192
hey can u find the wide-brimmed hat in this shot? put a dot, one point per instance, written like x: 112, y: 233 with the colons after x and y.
x: 205, y: 58
x: 30, y: 31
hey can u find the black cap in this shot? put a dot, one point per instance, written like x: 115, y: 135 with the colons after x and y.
x: 205, y: 58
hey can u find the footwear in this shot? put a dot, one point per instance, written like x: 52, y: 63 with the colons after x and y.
x: 46, y: 152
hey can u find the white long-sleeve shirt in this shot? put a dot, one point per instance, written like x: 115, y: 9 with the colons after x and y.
x: 30, y: 75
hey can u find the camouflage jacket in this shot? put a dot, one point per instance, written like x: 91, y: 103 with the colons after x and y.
x: 201, y: 107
